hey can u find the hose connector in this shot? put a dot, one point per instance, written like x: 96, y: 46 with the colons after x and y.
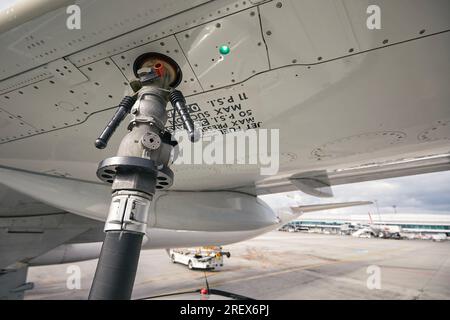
x: 123, y: 109
x: 179, y: 103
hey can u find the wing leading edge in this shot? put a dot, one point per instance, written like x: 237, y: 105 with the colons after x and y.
x: 328, y: 206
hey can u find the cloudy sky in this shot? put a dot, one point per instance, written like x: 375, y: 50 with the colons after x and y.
x: 4, y: 4
x: 426, y: 193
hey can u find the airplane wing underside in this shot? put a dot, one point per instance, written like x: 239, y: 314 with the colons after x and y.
x: 342, y: 103
x: 343, y: 97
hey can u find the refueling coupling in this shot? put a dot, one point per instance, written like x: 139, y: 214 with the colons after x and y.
x: 140, y: 167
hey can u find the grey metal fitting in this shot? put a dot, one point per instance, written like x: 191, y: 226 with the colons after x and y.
x: 128, y: 212
x: 150, y: 108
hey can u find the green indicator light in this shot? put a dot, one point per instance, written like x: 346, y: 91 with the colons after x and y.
x: 224, y: 50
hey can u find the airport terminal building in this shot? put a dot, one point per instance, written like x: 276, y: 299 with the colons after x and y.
x: 413, y: 223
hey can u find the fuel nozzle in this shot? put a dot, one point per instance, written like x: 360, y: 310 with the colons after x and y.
x: 179, y: 103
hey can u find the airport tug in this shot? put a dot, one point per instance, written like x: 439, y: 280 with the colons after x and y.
x: 204, y: 258
x: 140, y: 167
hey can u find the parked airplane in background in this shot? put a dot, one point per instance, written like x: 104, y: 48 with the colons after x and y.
x: 339, y: 102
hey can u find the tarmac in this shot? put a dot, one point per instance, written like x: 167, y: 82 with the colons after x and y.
x: 281, y: 265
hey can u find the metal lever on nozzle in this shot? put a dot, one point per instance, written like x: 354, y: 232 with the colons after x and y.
x: 179, y: 103
x: 123, y: 109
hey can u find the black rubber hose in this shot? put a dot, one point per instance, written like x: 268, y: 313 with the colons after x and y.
x: 117, y: 265
x: 123, y: 109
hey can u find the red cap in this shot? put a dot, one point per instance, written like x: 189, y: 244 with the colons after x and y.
x: 159, y: 68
